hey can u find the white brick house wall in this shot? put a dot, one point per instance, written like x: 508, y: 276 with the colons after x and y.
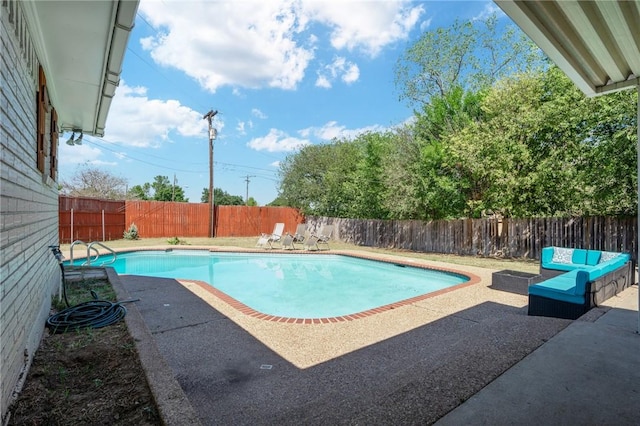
x: 29, y: 274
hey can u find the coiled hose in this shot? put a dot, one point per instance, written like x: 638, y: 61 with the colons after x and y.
x: 91, y: 314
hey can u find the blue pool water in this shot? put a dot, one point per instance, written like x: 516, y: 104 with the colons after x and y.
x: 290, y: 285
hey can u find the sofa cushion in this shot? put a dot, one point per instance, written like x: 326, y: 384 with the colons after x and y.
x: 609, y: 266
x: 579, y: 257
x: 547, y: 254
x: 569, y: 287
x: 593, y: 257
x: 562, y: 255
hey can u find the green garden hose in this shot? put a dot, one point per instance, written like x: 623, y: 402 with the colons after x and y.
x: 91, y: 314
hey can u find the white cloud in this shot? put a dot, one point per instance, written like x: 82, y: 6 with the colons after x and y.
x: 255, y: 44
x: 248, y: 43
x: 136, y: 120
x: 78, y: 154
x: 424, y: 25
x: 339, y: 68
x: 489, y: 9
x: 277, y: 141
x: 257, y: 113
x: 323, y: 82
x: 275, y: 164
x: 351, y: 73
x: 332, y: 130
x: 366, y: 25
x: 240, y: 128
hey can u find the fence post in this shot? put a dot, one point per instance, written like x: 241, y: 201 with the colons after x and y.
x: 71, y: 237
x: 103, y: 226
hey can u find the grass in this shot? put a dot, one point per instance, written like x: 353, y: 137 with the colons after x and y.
x: 525, y: 265
x: 79, y: 291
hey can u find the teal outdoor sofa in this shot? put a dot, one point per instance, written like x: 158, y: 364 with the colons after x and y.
x: 576, y: 280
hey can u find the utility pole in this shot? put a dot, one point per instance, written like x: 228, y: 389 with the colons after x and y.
x: 173, y: 188
x: 246, y: 179
x: 212, y: 135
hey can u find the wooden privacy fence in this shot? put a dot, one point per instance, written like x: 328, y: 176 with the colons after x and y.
x: 242, y: 221
x: 90, y: 219
x: 167, y: 219
x: 517, y: 238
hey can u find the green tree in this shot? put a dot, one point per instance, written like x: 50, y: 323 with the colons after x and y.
x: 95, y: 183
x: 608, y: 169
x: 221, y: 198
x: 278, y: 202
x: 316, y: 179
x: 530, y: 145
x: 544, y: 149
x: 366, y: 190
x: 472, y: 55
x: 252, y: 202
x: 140, y: 192
x: 164, y: 190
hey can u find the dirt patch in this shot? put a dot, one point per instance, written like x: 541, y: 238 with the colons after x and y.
x: 89, y: 376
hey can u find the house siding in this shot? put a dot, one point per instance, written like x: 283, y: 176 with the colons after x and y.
x: 29, y: 274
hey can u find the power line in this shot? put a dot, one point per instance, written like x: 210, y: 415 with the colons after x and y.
x: 143, y: 161
x: 218, y: 163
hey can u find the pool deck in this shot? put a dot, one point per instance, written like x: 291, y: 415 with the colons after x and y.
x: 210, y: 363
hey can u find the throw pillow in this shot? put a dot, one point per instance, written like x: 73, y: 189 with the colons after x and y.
x: 608, y: 255
x: 562, y: 255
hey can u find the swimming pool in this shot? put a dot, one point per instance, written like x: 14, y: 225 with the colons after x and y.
x: 293, y: 285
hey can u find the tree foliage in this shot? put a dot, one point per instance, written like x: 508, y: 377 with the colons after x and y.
x: 497, y: 130
x: 222, y: 198
x: 140, y: 192
x: 530, y: 145
x: 165, y: 190
x: 317, y: 178
x: 472, y: 55
x: 95, y: 183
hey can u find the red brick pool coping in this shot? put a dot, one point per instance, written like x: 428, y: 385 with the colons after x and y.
x: 241, y: 307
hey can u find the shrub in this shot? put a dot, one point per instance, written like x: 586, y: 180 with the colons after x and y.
x: 175, y: 241
x: 132, y: 233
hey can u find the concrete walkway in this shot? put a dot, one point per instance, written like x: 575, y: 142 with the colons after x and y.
x: 509, y: 368
x: 588, y: 374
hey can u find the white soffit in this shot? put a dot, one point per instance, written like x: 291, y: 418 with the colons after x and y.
x: 596, y: 43
x: 81, y: 46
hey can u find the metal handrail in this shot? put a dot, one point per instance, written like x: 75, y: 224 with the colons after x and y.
x: 93, y: 254
x: 73, y: 244
x: 98, y: 243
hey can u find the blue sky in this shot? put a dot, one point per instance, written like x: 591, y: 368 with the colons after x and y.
x: 282, y: 74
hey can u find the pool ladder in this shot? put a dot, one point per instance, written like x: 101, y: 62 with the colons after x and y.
x: 92, y: 253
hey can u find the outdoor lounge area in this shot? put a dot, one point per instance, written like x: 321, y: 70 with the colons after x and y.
x: 576, y: 280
